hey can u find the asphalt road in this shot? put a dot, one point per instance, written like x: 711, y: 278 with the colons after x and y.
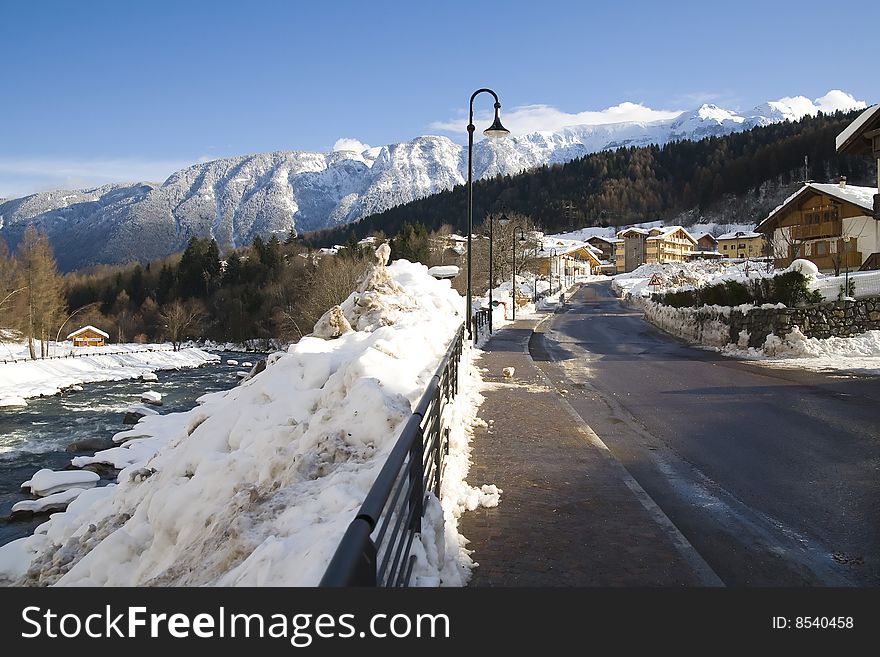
x: 772, y: 475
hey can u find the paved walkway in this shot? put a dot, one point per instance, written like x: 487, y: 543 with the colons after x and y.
x: 570, y: 515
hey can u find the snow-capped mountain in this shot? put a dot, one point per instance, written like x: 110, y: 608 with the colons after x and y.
x: 235, y: 199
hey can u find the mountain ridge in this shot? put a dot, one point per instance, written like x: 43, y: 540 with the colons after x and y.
x: 235, y: 199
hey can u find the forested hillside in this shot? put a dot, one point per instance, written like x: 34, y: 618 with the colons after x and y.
x: 740, y: 176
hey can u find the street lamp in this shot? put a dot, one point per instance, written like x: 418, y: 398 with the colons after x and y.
x: 522, y: 240
x: 550, y: 269
x: 494, y: 131
x: 503, y: 221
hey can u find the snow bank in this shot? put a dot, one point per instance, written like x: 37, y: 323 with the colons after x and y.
x: 701, y: 325
x: 857, y: 355
x: 37, y: 378
x: 673, y: 276
x: 257, y: 484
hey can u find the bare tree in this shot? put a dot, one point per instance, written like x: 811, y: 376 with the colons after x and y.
x: 182, y: 320
x: 328, y: 281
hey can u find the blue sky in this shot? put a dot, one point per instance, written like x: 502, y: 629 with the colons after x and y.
x: 99, y: 91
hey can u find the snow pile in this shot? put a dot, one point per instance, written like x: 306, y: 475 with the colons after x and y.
x: 35, y: 378
x: 859, y: 354
x: 673, y: 276
x: 864, y: 284
x: 701, y: 325
x: 256, y: 485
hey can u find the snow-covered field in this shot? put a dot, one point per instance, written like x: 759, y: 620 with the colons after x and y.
x: 34, y: 378
x: 257, y: 484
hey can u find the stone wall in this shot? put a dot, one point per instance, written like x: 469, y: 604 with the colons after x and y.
x: 717, y: 326
x: 822, y: 320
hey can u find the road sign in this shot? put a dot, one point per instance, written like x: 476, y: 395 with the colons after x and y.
x: 655, y: 280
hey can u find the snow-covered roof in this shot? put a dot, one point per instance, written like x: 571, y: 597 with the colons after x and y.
x: 740, y: 234
x: 854, y: 129
x: 667, y: 231
x: 699, y: 236
x: 563, y: 247
x: 610, y: 240
x: 640, y: 231
x: 88, y: 328
x: 862, y: 197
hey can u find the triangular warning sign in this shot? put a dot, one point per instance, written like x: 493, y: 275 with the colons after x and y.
x: 655, y: 280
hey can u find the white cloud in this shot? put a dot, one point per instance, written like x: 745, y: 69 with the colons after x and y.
x: 534, y: 118
x: 834, y: 100
x: 350, y: 144
x: 27, y: 175
x: 838, y: 100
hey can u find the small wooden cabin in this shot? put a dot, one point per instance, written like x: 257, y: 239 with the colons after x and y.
x: 88, y: 336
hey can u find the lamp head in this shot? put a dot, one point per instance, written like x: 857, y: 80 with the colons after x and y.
x: 503, y: 219
x: 496, y: 130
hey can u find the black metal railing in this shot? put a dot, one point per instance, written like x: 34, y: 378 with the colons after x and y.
x: 376, y: 548
x: 481, y: 323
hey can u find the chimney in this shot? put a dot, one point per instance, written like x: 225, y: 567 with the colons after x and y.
x: 842, y: 182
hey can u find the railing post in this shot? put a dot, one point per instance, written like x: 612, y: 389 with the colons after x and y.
x: 439, y: 450
x: 416, y: 481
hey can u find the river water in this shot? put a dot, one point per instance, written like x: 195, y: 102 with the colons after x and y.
x: 37, y: 436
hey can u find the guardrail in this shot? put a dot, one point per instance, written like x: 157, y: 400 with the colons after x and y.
x: 78, y: 355
x: 376, y: 548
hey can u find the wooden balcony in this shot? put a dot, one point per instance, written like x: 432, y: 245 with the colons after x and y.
x: 812, y: 231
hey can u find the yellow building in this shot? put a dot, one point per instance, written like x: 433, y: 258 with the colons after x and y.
x: 639, y: 246
x: 742, y: 244
x: 830, y: 225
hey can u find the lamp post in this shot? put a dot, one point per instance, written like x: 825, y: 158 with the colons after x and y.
x: 550, y: 269
x: 522, y: 240
x: 503, y: 221
x: 494, y: 131
x: 846, y: 242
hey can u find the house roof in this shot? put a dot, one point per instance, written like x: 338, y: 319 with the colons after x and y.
x: 664, y: 232
x: 640, y: 231
x: 704, y: 234
x: 862, y: 197
x: 88, y: 328
x: 564, y: 247
x: 850, y: 140
x: 610, y: 240
x: 740, y: 234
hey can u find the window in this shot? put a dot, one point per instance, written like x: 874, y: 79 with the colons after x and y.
x: 821, y: 248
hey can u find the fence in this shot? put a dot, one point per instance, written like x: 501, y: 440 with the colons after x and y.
x: 79, y: 355
x: 376, y: 548
x: 481, y: 323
